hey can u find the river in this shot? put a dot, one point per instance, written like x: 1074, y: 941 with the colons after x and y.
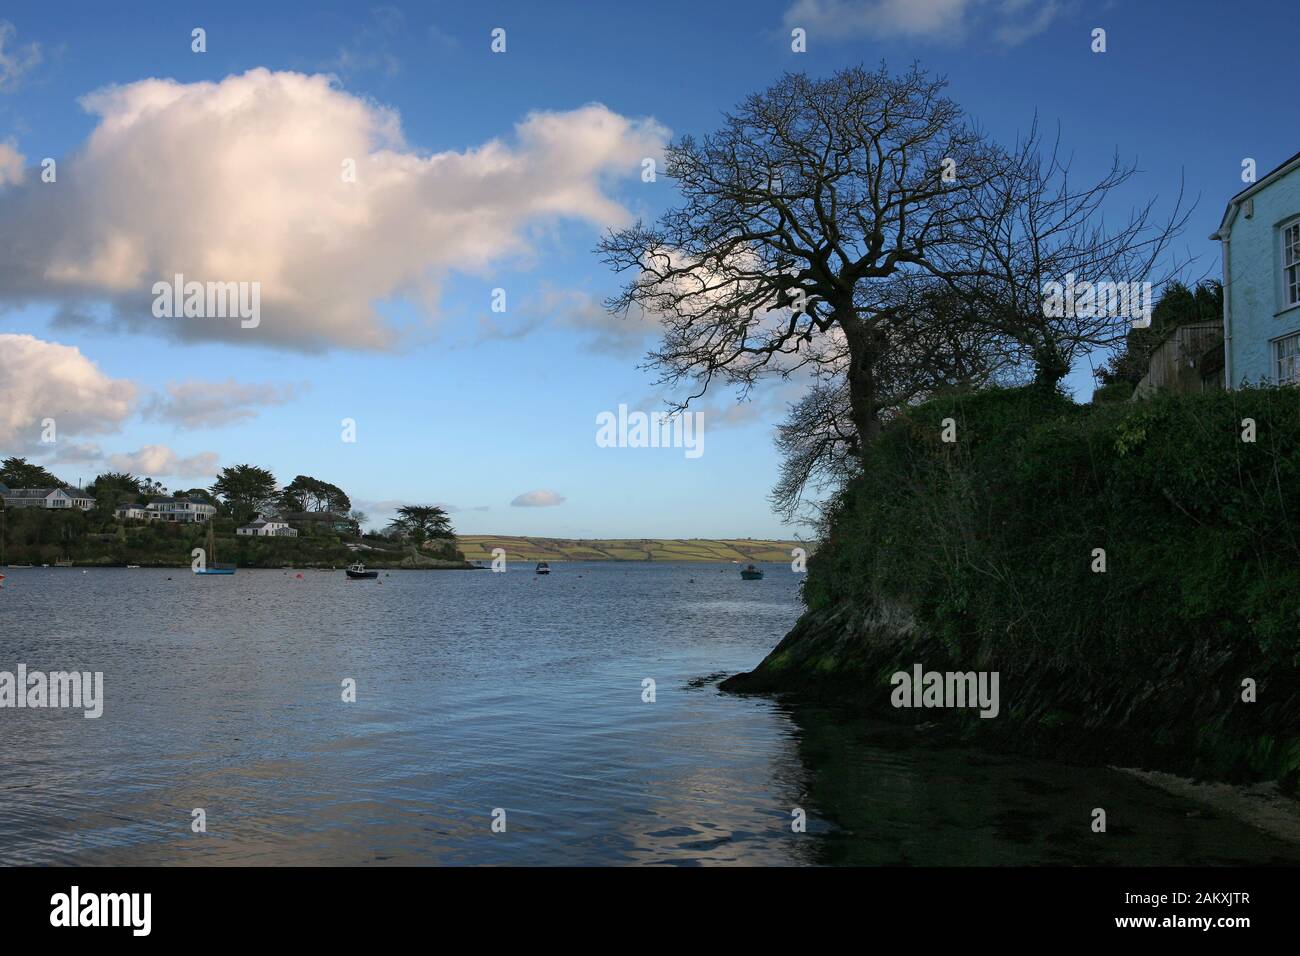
x: 511, y: 697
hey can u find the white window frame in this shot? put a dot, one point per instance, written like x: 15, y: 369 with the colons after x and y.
x: 1285, y: 355
x: 1289, y: 262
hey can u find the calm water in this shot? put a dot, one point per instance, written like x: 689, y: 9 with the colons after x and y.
x: 479, y: 691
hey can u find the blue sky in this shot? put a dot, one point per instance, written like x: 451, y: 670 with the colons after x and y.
x: 460, y: 405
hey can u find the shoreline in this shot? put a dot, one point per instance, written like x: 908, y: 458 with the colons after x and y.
x: 1260, y: 805
x: 1176, y: 713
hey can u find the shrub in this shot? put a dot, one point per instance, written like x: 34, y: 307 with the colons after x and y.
x: 991, y: 538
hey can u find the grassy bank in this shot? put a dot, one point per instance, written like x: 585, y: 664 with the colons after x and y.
x: 980, y: 554
x: 479, y: 547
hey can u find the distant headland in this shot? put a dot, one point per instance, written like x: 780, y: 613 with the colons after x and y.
x: 478, y: 547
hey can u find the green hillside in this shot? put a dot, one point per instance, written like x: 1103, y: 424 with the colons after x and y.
x: 478, y: 547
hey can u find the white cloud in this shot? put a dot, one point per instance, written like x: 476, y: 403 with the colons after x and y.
x: 1008, y: 21
x: 199, y: 404
x: 371, y: 48
x: 581, y: 311
x: 16, y: 61
x: 11, y: 164
x: 40, y: 380
x: 157, y: 461
x: 242, y: 180
x: 1017, y: 28
x: 77, y: 452
x: 880, y: 18
x: 538, y: 499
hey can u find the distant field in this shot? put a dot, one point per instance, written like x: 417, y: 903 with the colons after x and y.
x: 478, y: 547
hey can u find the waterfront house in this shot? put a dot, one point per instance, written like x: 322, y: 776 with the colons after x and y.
x: 132, y: 512
x: 181, y: 510
x: 262, y: 527
x: 1260, y: 236
x: 50, y: 498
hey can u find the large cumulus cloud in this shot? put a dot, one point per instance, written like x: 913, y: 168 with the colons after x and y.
x: 242, y: 180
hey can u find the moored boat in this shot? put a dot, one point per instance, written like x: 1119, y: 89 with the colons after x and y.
x: 751, y: 573
x: 543, y: 567
x: 210, y: 564
x: 358, y: 570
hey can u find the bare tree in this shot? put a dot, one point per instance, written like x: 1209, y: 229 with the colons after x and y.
x: 796, y: 214
x: 1039, y: 228
x: 937, y: 343
x: 860, y: 230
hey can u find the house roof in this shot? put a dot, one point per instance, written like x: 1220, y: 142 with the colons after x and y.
x: 1277, y: 172
x: 33, y: 492
x: 261, y: 521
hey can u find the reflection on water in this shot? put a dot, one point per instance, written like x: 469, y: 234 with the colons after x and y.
x: 900, y: 803
x: 477, y: 691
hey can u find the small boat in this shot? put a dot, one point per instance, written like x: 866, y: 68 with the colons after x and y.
x: 751, y: 573
x: 67, y: 563
x: 543, y: 567
x: 133, y: 567
x: 358, y: 570
x: 212, y: 567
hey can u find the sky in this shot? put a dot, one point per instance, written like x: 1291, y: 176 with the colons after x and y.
x: 475, y: 171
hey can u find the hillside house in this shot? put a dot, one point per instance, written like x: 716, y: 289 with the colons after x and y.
x: 49, y: 498
x: 262, y: 527
x: 1260, y: 234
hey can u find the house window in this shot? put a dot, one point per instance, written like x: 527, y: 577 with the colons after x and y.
x: 1291, y: 263
x: 1286, y: 355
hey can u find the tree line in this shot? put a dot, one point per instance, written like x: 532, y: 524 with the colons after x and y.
x: 240, y: 492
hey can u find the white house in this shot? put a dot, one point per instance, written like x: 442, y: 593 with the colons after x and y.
x: 51, y: 498
x: 180, y: 509
x: 133, y: 512
x: 267, y: 528
x: 1260, y: 233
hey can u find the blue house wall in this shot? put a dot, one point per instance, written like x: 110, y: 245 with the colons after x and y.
x: 1255, y: 297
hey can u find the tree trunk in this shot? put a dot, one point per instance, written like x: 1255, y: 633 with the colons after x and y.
x: 865, y: 346
x: 1049, y: 365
